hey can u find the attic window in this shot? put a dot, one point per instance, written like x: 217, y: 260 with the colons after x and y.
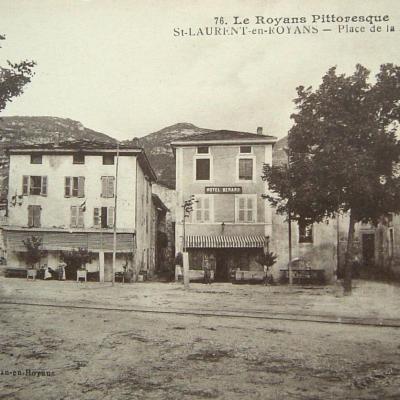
x: 78, y: 158
x: 245, y: 149
x: 108, y: 159
x: 202, y: 150
x: 36, y: 159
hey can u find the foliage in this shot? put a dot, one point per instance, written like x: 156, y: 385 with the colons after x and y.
x: 342, y: 150
x: 269, y: 259
x: 33, y: 252
x: 75, y: 259
x: 13, y: 78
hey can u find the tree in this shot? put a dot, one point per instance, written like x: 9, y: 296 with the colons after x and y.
x: 343, y: 154
x: 13, y: 79
x: 75, y: 259
x: 33, y: 252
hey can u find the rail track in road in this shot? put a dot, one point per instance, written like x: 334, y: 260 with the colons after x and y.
x: 260, y: 315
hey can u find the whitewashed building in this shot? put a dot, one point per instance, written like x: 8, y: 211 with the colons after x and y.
x: 66, y: 195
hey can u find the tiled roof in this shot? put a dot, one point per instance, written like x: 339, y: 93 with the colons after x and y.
x: 225, y: 135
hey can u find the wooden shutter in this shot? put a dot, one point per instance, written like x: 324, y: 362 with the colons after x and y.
x: 110, y: 190
x: 110, y: 217
x: 81, y: 217
x: 30, y: 216
x: 25, y: 185
x: 43, y: 190
x: 67, y: 186
x: 250, y: 210
x: 103, y: 186
x: 199, y: 208
x: 96, y: 216
x: 206, y: 211
x: 74, y: 216
x: 81, y: 186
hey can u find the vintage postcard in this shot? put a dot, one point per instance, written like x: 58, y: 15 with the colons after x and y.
x: 199, y: 199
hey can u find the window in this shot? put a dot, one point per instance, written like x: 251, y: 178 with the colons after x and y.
x: 246, y: 169
x: 34, y: 213
x: 107, y: 186
x: 202, y: 169
x: 305, y: 232
x: 77, y: 217
x: 74, y: 186
x: 246, y: 208
x: 103, y: 217
x: 108, y: 159
x: 36, y: 159
x: 202, y: 209
x: 78, y: 158
x: 203, y: 150
x: 245, y: 149
x: 34, y: 185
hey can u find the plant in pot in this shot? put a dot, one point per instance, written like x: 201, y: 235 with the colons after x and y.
x: 269, y: 259
x: 33, y: 254
x: 76, y: 260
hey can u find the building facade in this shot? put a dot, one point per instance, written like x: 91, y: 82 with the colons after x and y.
x: 229, y: 224
x: 67, y: 196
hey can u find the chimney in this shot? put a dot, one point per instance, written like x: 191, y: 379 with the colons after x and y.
x: 259, y: 130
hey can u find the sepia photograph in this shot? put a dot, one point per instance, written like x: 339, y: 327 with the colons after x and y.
x: 199, y: 199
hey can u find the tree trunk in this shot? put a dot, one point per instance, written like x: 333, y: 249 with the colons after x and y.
x: 349, y: 257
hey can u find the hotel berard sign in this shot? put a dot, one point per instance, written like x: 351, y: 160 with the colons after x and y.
x: 223, y: 190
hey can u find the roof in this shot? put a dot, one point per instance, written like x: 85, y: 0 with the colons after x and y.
x: 158, y: 203
x: 224, y: 137
x: 88, y: 148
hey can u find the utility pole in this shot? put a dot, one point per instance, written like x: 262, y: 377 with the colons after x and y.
x: 187, y: 210
x: 287, y: 150
x: 115, y: 217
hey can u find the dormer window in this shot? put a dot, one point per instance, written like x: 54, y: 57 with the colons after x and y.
x: 36, y: 159
x: 203, y: 150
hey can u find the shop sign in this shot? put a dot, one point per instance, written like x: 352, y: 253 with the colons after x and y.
x: 223, y: 190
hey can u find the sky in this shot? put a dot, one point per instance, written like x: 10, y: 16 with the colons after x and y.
x: 116, y: 66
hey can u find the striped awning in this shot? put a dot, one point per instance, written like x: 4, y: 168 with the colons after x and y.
x: 220, y: 241
x: 68, y: 241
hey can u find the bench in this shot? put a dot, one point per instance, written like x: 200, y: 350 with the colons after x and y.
x: 15, y: 272
x: 250, y: 276
x: 304, y: 276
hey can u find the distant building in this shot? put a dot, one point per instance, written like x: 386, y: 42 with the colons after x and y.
x: 66, y: 196
x: 165, y: 260
x: 231, y: 224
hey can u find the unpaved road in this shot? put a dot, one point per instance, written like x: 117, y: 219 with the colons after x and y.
x: 97, y: 354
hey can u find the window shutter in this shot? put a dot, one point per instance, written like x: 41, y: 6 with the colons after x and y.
x: 206, y: 207
x: 44, y: 186
x: 25, y: 185
x: 110, y: 190
x: 67, y: 186
x: 36, y: 216
x: 110, y: 217
x: 81, y: 186
x: 96, y: 216
x: 74, y: 217
x: 81, y: 219
x: 30, y: 216
x: 103, y: 186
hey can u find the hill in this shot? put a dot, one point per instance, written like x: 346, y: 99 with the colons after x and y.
x: 158, y: 149
x: 15, y: 131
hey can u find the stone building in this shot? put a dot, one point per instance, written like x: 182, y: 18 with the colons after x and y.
x: 230, y: 224
x: 66, y: 195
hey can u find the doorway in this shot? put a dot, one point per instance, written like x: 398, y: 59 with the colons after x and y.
x: 368, y: 249
x: 222, y: 267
